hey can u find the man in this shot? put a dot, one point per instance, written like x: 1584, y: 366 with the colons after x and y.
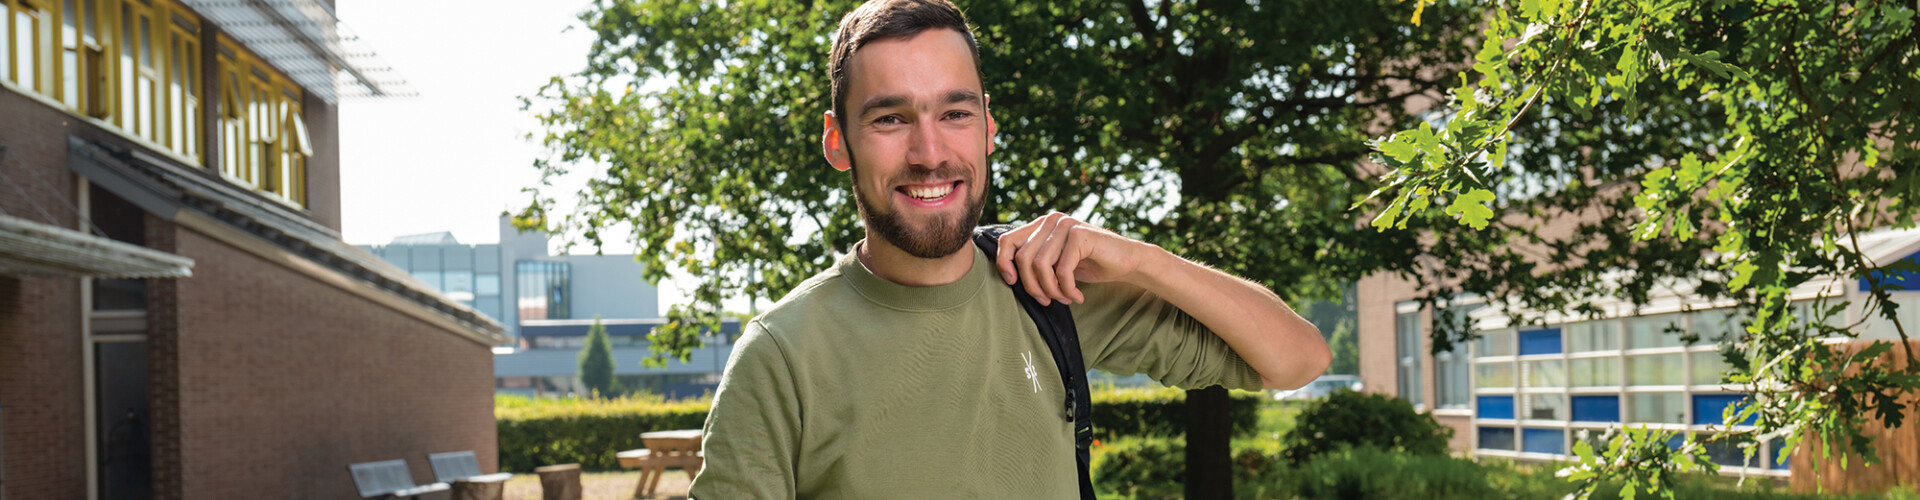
x: 908, y: 370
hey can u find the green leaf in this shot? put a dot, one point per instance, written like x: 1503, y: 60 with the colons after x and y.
x: 1471, y: 208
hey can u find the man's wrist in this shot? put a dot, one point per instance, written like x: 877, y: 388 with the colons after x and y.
x: 1154, y: 264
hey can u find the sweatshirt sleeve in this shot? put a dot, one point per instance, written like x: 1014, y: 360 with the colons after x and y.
x: 1127, y: 330
x: 753, y: 431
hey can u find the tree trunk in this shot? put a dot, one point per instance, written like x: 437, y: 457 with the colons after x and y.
x: 1209, y: 447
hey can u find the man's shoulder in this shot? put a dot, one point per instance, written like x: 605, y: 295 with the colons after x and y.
x: 806, y: 303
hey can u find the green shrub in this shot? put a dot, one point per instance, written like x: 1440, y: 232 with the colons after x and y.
x: 1349, y: 418
x: 1155, y: 467
x: 541, y: 431
x: 1161, y: 411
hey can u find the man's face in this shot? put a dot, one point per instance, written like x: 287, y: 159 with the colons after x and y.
x: 916, y: 136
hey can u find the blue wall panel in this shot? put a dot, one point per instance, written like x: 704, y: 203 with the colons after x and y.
x: 1496, y: 406
x: 1903, y: 274
x: 1596, y: 408
x: 1540, y: 341
x: 1707, y: 407
x: 1544, y: 441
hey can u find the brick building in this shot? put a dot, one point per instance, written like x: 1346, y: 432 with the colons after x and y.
x: 178, y: 315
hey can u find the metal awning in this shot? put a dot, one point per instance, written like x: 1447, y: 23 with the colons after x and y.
x: 304, y: 39
x: 30, y: 248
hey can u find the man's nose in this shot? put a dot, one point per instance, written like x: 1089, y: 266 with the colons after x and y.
x: 924, y: 148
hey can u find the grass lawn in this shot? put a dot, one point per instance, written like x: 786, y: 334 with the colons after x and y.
x: 602, y: 485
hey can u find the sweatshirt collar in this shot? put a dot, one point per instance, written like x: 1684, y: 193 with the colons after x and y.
x: 916, y: 298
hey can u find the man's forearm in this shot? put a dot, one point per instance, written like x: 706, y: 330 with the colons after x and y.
x: 1286, y: 349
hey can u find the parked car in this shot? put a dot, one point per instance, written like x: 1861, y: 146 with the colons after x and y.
x: 1321, y: 387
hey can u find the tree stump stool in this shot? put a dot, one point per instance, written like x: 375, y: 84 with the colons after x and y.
x: 559, y: 482
x: 480, y: 489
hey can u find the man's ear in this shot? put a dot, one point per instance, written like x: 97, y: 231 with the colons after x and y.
x: 834, y: 144
x: 992, y: 127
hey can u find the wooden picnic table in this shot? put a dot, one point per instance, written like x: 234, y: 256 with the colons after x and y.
x: 664, y: 449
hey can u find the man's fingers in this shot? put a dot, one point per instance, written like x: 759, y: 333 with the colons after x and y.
x: 1010, y: 244
x: 1050, y: 254
x: 1025, y: 260
x: 1070, y: 261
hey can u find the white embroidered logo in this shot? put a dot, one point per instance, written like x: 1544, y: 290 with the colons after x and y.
x: 1032, y: 375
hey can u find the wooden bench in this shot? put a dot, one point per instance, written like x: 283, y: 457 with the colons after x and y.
x: 462, y: 470
x: 389, y: 479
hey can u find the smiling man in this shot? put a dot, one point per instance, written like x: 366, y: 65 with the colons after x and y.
x: 909, y: 370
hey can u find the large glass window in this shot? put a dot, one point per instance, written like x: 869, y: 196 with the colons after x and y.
x: 1709, y: 368
x: 1552, y: 441
x: 1497, y: 438
x: 1546, y: 407
x: 1545, y: 341
x: 1546, y: 374
x: 264, y: 142
x: 486, y: 284
x: 1655, y: 369
x: 29, y: 67
x: 1602, y: 408
x: 1452, y: 369
x: 1595, y: 372
x: 1495, y: 343
x: 1714, y: 325
x: 1587, y: 336
x: 1494, y: 375
x: 1496, y: 407
x: 1661, y: 330
x: 1407, y: 324
x: 1657, y: 407
x: 544, y: 289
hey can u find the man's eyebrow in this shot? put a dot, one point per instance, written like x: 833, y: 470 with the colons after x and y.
x: 962, y: 96
x: 881, y: 102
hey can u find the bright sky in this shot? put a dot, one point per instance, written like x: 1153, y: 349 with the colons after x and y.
x: 456, y: 156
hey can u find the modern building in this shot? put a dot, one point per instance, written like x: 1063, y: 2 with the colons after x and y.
x: 548, y: 302
x: 1530, y: 391
x: 178, y: 316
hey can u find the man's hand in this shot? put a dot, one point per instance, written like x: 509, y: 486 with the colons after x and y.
x: 1052, y: 253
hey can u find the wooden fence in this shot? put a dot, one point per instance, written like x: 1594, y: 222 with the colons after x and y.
x: 1899, y: 451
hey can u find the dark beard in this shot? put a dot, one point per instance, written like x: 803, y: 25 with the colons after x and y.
x: 942, y: 239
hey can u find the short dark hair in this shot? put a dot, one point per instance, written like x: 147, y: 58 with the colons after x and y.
x: 887, y: 19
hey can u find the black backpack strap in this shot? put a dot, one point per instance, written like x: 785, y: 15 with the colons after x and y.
x: 1055, y: 323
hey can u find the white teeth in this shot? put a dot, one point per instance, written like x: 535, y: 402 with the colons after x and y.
x: 930, y: 193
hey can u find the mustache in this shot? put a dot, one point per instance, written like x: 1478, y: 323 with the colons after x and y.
x: 922, y: 176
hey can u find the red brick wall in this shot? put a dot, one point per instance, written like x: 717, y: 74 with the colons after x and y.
x: 284, y: 380
x: 41, y: 429
x: 42, y: 432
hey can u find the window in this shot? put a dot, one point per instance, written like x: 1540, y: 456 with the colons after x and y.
x: 263, y: 133
x: 1407, y: 323
x: 1495, y: 343
x: 1709, y: 368
x: 1497, y: 438
x: 431, y: 279
x: 1596, y: 408
x: 1595, y: 372
x: 1546, y: 407
x: 458, y: 281
x: 1655, y: 369
x: 544, y: 289
x: 1657, y: 407
x: 1654, y: 331
x: 1546, y: 374
x: 30, y: 22
x: 183, y: 89
x: 486, y: 285
x: 1603, y: 335
x: 1452, y: 369
x: 1498, y: 374
x: 1495, y: 406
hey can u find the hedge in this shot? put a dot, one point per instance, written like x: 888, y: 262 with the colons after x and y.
x: 1161, y: 412
x: 542, y: 431
x: 536, y: 432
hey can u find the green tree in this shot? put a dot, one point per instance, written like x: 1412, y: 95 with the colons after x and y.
x: 1345, y: 345
x: 596, y: 362
x: 1232, y: 133
x: 1733, y: 147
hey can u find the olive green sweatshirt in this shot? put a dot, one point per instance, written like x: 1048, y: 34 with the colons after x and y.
x: 856, y: 387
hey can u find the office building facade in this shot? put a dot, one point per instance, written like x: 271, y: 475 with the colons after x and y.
x: 1530, y: 392
x: 547, y: 304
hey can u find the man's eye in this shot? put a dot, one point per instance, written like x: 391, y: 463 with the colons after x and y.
x: 956, y: 115
x: 888, y: 120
